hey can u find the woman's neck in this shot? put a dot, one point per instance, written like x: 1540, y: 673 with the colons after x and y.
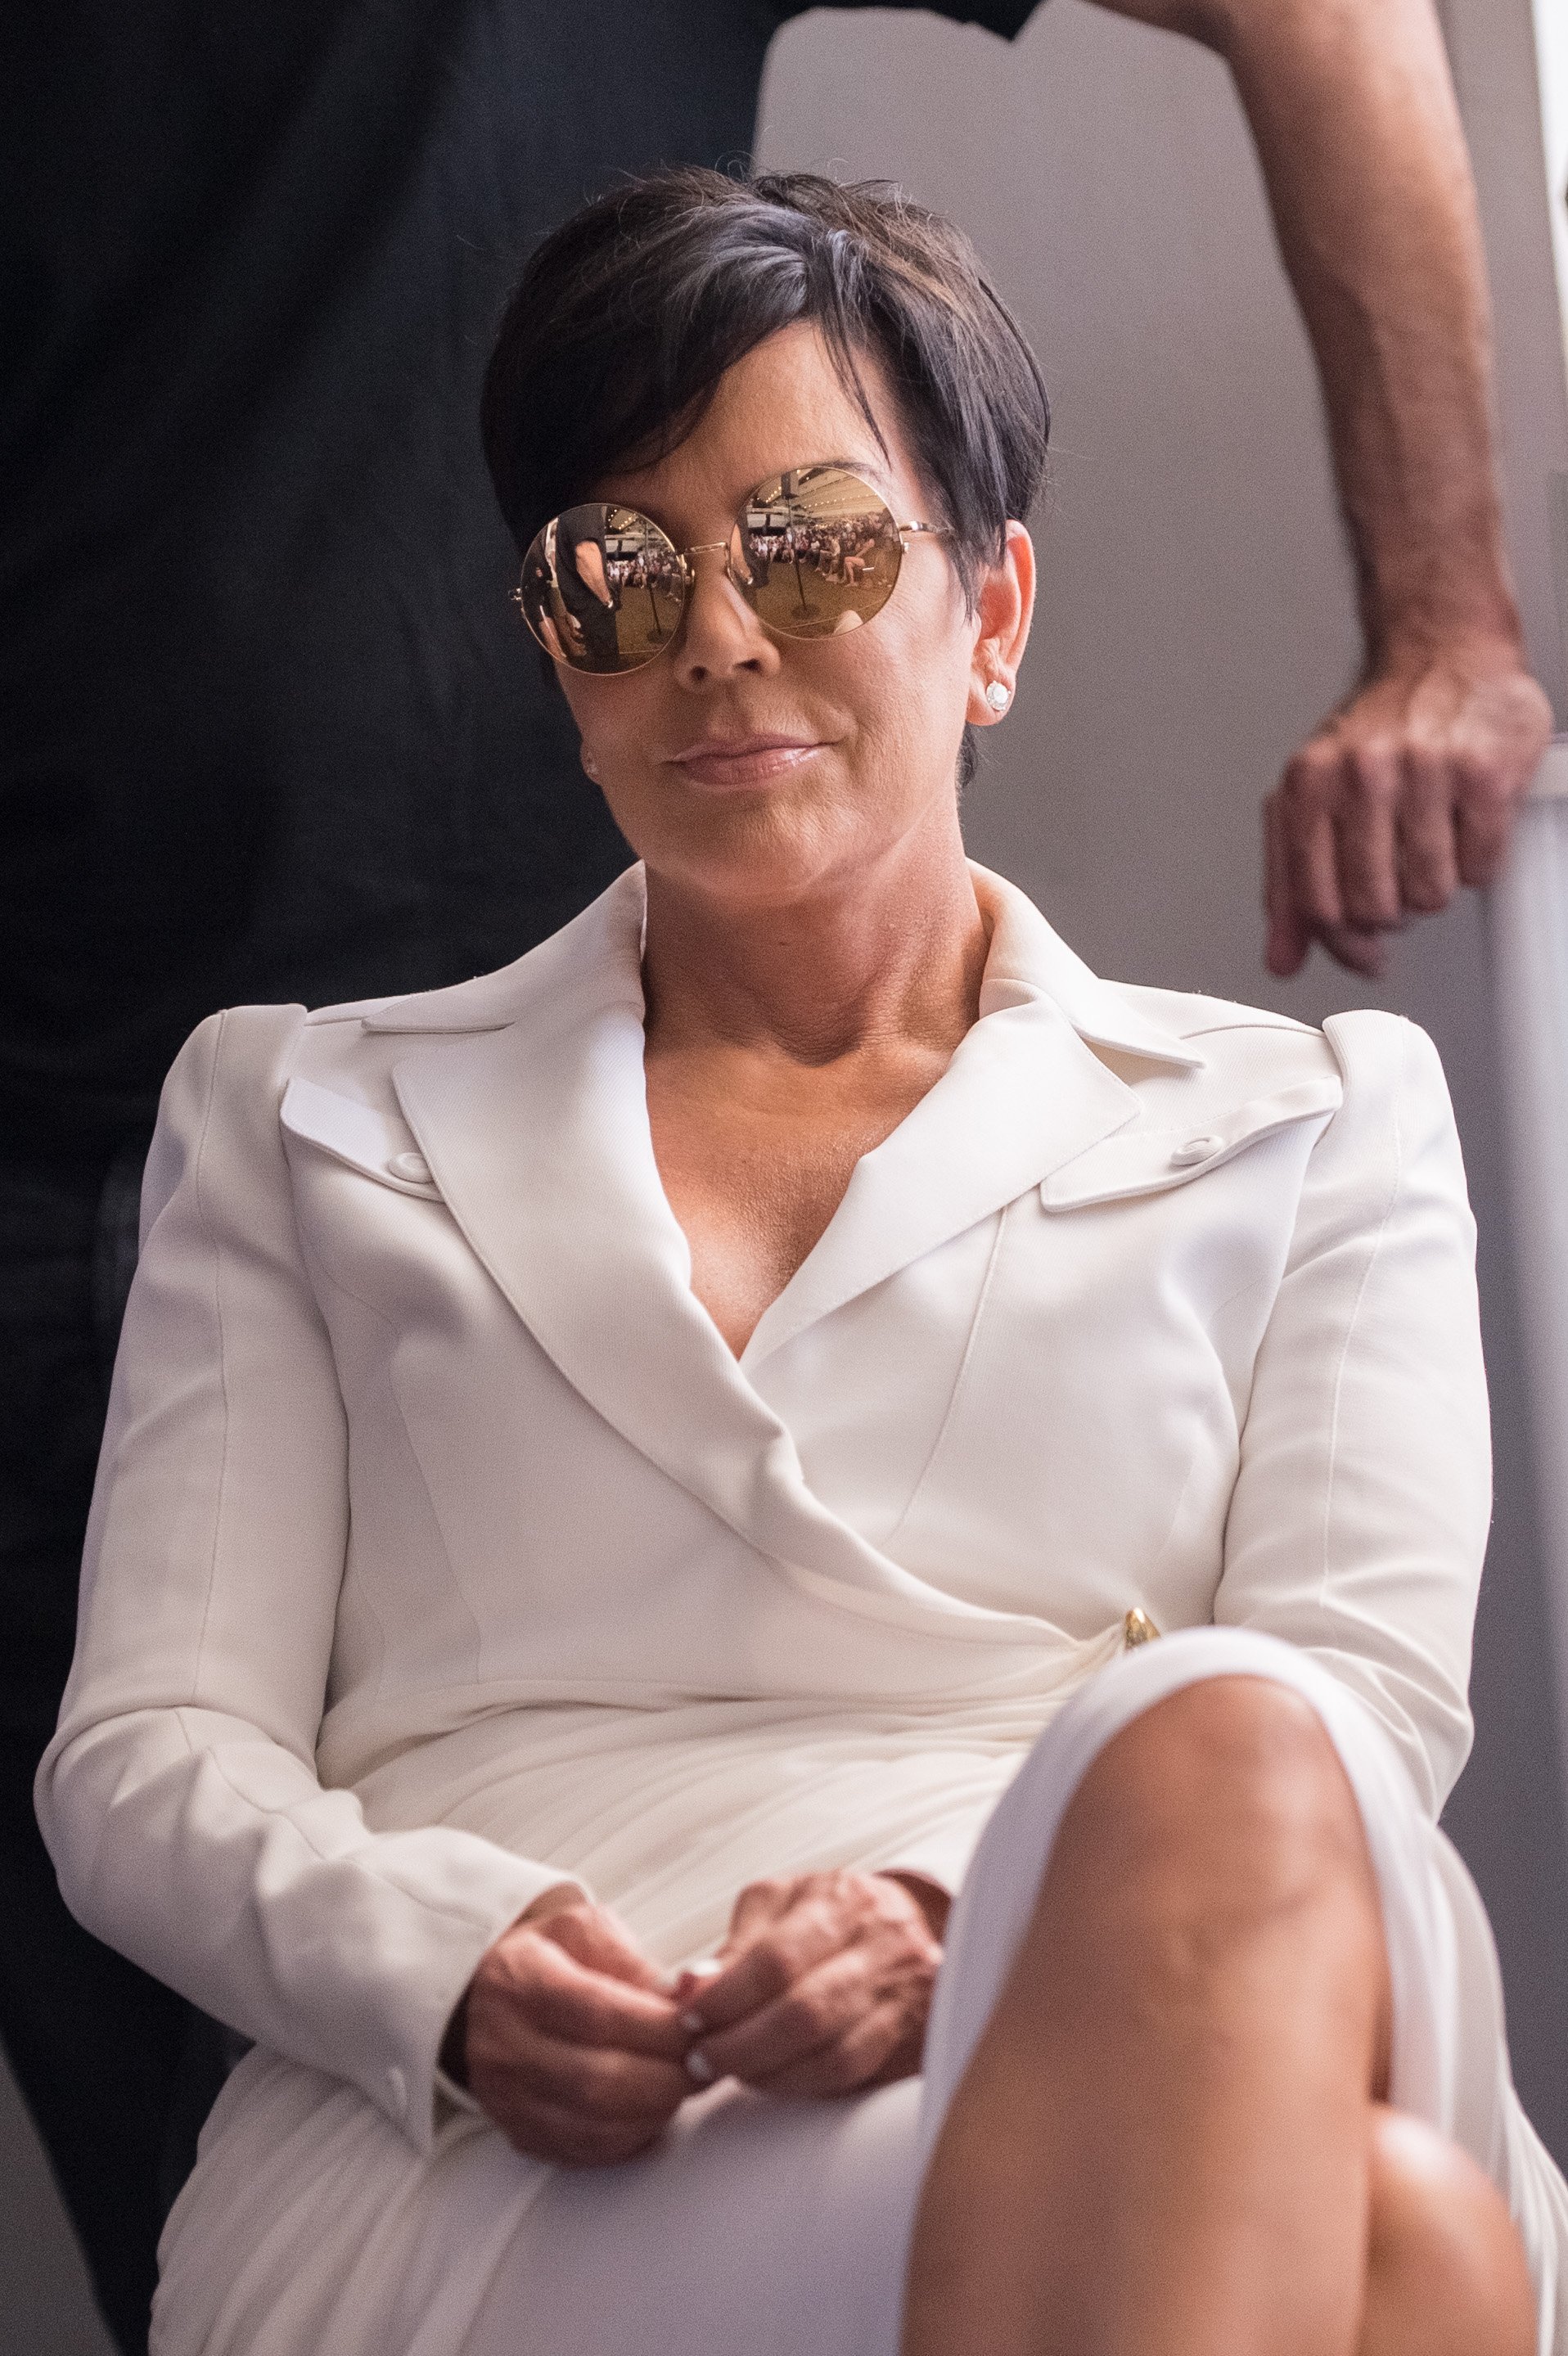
x: 890, y: 957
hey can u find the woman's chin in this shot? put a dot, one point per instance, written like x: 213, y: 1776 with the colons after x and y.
x: 752, y: 853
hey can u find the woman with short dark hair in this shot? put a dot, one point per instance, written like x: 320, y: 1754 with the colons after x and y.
x: 635, y: 1480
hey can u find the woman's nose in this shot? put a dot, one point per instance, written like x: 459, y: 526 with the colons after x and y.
x: 720, y: 633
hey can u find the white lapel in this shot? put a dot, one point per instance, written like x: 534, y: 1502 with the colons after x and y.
x: 1023, y: 1095
x: 537, y: 1135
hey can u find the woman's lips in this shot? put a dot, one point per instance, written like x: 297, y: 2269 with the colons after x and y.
x: 743, y: 760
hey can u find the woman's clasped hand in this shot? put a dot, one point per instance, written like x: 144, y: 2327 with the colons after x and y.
x: 582, y: 2050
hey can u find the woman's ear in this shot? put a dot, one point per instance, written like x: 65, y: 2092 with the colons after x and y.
x: 1003, y: 605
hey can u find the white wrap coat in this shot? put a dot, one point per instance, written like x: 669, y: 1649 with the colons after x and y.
x: 442, y: 1551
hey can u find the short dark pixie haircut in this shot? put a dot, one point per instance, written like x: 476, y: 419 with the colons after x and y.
x: 627, y: 316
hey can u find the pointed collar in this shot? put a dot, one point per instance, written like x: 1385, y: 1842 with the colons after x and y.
x: 1028, y: 959
x: 1024, y: 1094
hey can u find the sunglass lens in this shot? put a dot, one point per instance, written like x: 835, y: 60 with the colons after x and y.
x: 817, y: 552
x: 603, y: 588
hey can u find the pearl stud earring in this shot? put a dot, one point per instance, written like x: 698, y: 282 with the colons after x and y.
x: 998, y: 695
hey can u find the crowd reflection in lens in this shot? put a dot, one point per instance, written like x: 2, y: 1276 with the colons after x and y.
x: 814, y: 553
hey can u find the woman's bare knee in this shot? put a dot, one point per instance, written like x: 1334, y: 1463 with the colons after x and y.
x: 1238, y: 1749
x: 1222, y: 1812
x: 1446, y: 2274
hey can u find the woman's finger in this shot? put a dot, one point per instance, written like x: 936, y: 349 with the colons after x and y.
x: 594, y: 1936
x: 531, y: 1978
x: 513, y: 2061
x: 815, y: 2010
x: 760, y: 1903
x: 545, y: 2130
x: 890, y: 1957
x: 777, y: 1956
x: 872, y: 2050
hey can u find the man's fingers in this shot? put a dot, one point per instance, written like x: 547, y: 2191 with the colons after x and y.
x: 1364, y: 952
x: 1406, y: 793
x: 1309, y: 805
x: 1366, y: 835
x: 1484, y: 823
x: 1289, y: 936
x: 1428, y: 853
x: 1497, y: 742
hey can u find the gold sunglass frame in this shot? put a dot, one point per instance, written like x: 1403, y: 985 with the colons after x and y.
x: 769, y: 494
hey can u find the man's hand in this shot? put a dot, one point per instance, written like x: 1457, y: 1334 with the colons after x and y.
x: 823, y: 1986
x: 1406, y: 792
x: 570, y: 2041
x: 1409, y: 790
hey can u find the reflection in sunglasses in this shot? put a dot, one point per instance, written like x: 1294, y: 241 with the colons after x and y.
x: 814, y: 553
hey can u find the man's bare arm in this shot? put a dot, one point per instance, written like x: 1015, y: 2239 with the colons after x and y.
x: 1409, y: 789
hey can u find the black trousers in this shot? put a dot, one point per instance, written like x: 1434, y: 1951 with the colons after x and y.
x: 118, y: 2071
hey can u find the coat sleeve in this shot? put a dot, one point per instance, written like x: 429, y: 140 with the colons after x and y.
x: 1359, y: 1521
x: 179, y: 1797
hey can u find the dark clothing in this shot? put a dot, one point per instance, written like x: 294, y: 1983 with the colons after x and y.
x: 265, y: 728
x: 583, y: 528
x: 118, y: 2071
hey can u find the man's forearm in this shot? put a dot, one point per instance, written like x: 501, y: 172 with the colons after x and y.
x: 1352, y: 109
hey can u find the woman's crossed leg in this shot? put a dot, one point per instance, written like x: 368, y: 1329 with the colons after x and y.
x: 1170, y: 2136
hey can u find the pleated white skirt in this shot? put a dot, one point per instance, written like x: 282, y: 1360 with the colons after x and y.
x: 782, y: 2228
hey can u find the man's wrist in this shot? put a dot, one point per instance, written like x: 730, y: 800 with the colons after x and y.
x: 1487, y: 645
x: 1478, y: 614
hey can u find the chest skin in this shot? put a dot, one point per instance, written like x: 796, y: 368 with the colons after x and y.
x: 755, y: 1152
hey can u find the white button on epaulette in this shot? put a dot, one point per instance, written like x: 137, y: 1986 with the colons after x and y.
x: 1197, y: 1149
x: 411, y: 1166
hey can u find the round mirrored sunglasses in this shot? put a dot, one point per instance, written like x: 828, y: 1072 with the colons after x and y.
x: 814, y: 553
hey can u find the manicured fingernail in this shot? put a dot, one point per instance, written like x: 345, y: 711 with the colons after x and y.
x: 699, y: 2067
x: 693, y: 2023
